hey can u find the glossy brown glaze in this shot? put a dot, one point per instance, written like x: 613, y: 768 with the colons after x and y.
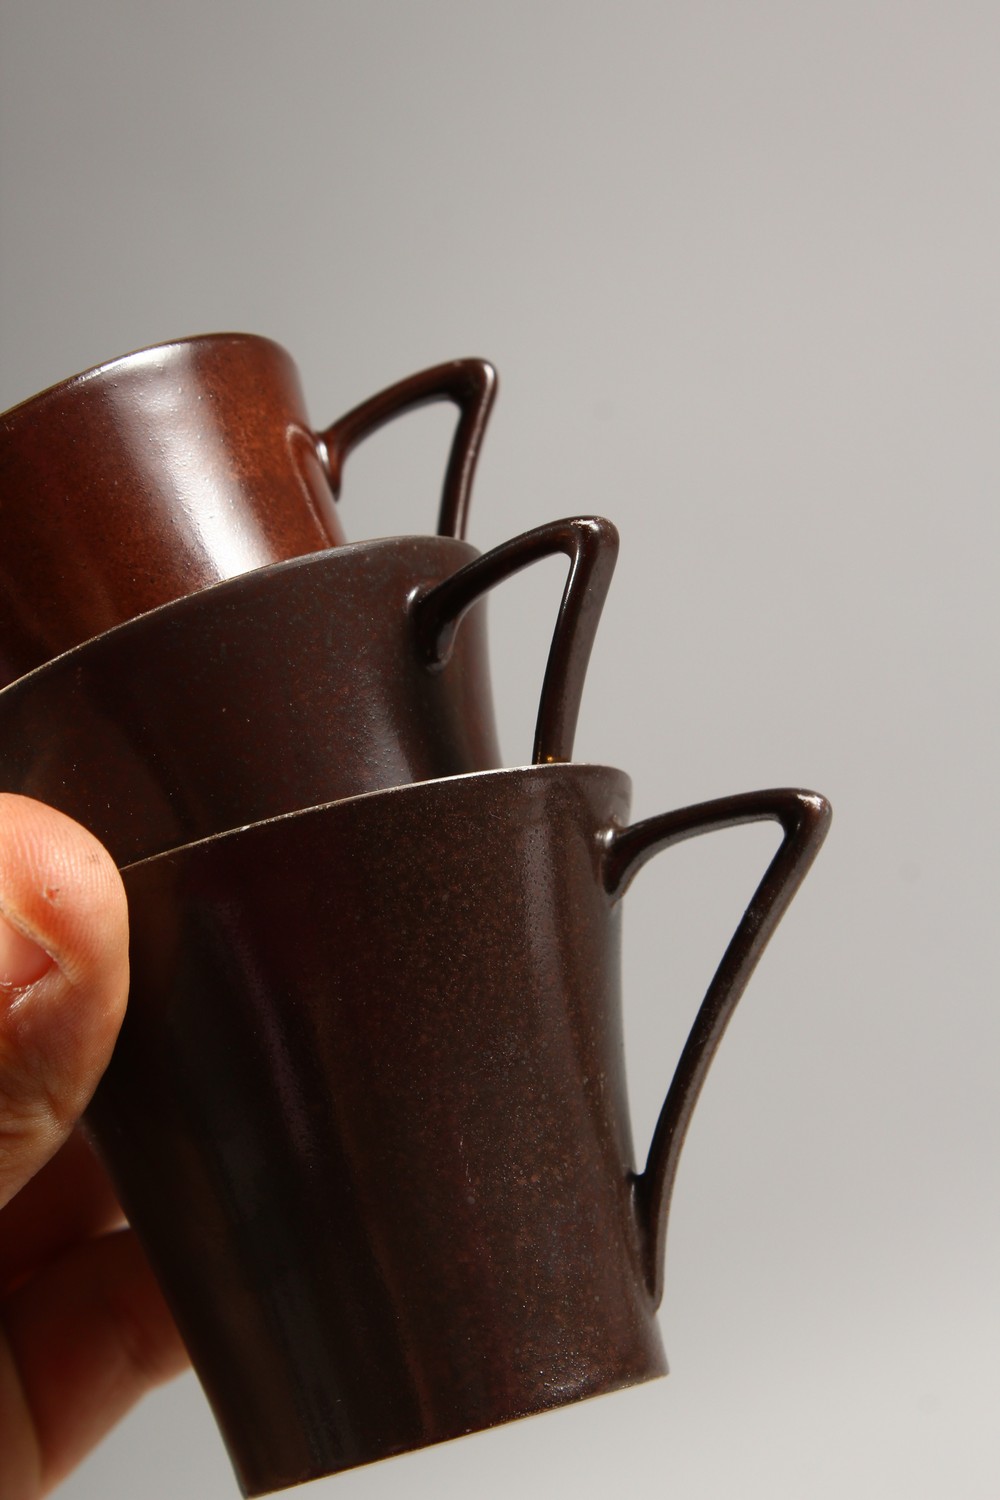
x: 165, y: 471
x: 343, y: 672
x: 368, y: 1109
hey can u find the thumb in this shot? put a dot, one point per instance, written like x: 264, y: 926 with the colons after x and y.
x: 63, y: 979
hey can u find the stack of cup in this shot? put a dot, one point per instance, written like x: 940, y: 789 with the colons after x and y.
x: 367, y: 1110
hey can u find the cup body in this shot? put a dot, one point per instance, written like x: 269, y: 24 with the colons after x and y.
x: 291, y: 686
x: 368, y: 1113
x: 148, y: 478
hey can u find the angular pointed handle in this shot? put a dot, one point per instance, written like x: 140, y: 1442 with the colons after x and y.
x: 470, y: 383
x: 591, y: 544
x: 805, y: 818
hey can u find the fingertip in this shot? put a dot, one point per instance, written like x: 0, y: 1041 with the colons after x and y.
x: 66, y: 949
x: 59, y: 887
x: 22, y: 960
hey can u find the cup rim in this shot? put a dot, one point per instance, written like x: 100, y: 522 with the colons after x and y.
x: 572, y: 769
x: 121, y: 364
x: 199, y: 598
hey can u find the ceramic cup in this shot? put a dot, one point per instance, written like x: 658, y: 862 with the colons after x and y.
x: 164, y: 471
x: 368, y: 1111
x: 360, y: 667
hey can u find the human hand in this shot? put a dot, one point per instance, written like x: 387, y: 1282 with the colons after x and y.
x: 84, y: 1331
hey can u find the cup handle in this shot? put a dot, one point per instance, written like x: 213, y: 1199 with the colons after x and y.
x: 591, y: 544
x: 470, y: 383
x: 805, y: 818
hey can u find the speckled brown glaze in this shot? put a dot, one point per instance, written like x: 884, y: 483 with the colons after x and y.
x: 368, y: 1107
x: 166, y: 470
x: 342, y: 672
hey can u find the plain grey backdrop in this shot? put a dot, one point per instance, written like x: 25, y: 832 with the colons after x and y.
x: 737, y: 266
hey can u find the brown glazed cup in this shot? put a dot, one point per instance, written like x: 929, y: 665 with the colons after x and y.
x: 368, y: 1112
x: 342, y: 672
x: 167, y: 470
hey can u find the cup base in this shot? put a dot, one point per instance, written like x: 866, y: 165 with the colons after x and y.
x: 257, y: 1483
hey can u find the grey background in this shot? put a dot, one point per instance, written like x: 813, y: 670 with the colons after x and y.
x: 737, y: 265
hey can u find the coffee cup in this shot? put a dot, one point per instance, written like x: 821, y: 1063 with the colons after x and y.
x: 167, y: 470
x: 368, y: 1113
x: 360, y: 667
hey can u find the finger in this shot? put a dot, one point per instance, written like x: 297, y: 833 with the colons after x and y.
x: 63, y: 979
x: 69, y: 1200
x: 85, y: 1338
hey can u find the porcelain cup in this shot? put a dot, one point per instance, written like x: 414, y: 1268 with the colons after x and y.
x: 368, y: 1110
x: 169, y: 469
x: 360, y: 667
